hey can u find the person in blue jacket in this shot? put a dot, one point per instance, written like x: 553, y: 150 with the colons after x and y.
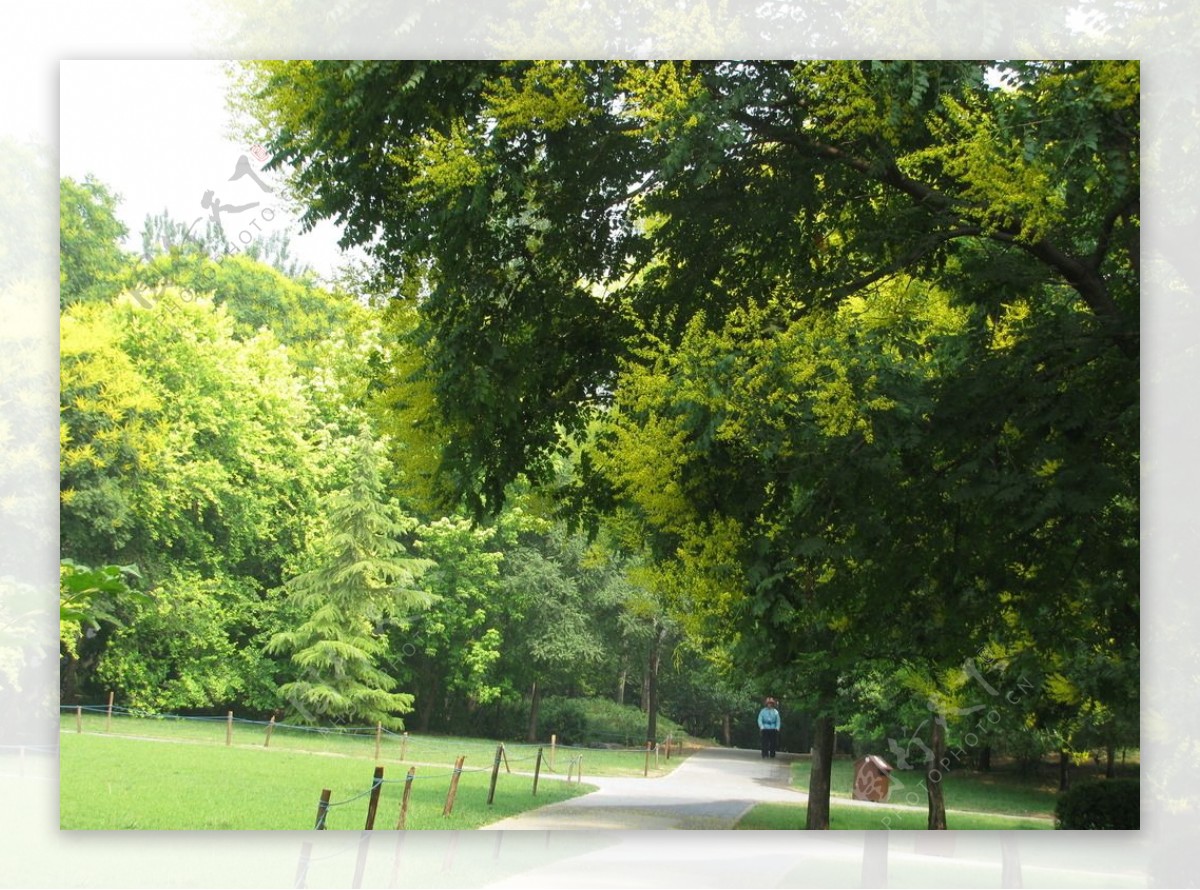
x: 768, y: 724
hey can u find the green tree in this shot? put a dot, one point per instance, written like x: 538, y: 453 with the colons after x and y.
x: 187, y: 452
x: 92, y: 262
x: 362, y: 576
x: 545, y: 203
x: 450, y: 651
x: 870, y: 328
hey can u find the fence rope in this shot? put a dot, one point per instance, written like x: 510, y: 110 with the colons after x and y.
x: 374, y: 785
x: 362, y: 732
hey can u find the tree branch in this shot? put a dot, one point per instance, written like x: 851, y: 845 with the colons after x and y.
x: 1079, y: 273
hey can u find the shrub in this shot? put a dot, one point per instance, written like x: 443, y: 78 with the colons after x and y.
x: 563, y: 717
x: 576, y: 721
x: 1111, y: 803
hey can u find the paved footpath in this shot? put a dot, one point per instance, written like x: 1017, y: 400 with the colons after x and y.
x: 710, y: 789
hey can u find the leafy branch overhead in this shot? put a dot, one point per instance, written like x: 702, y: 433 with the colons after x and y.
x: 553, y: 209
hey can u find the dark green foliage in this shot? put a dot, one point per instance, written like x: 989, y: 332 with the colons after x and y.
x: 1107, y: 804
x: 597, y: 721
x: 564, y: 718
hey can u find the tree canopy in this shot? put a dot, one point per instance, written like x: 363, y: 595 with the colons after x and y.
x: 552, y: 208
x: 858, y: 340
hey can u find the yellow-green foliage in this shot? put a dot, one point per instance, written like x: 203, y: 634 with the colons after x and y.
x: 549, y: 96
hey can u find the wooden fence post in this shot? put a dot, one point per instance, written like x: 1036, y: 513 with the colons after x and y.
x: 504, y: 754
x: 449, y: 807
x: 579, y: 778
x: 408, y: 780
x: 537, y: 771
x: 656, y: 755
x: 553, y: 742
x: 373, y: 804
x: 228, y: 729
x: 495, y: 775
x: 270, y: 729
x: 646, y: 771
x: 78, y: 719
x: 108, y: 720
x: 404, y: 747
x: 378, y: 737
x: 322, y: 809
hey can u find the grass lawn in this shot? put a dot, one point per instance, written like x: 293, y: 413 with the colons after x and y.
x: 1002, y: 790
x: 395, y: 748
x: 999, y: 799
x: 123, y: 782
x: 849, y: 817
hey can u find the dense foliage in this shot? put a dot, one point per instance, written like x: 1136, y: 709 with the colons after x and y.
x: 1110, y: 804
x: 681, y: 382
x: 848, y: 351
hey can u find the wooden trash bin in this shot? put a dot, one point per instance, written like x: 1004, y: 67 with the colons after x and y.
x: 871, y: 778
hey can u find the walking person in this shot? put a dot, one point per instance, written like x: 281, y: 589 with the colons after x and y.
x: 768, y: 725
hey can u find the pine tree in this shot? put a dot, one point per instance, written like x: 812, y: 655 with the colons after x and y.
x: 364, y: 575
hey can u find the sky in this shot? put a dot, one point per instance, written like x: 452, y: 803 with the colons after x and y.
x: 158, y: 134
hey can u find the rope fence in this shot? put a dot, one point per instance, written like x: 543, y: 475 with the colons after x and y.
x: 325, y: 805
x: 389, y: 745
x: 273, y: 731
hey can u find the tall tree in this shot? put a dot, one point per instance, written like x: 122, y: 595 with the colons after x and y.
x: 749, y: 259
x: 362, y: 575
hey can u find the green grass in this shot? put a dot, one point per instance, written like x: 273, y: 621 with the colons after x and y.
x: 395, y: 748
x: 1001, y: 791
x: 122, y: 782
x: 848, y: 817
x: 999, y: 799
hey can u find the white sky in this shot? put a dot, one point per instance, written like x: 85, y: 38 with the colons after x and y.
x: 156, y: 133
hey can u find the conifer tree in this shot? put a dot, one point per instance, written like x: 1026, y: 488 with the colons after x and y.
x: 363, y: 576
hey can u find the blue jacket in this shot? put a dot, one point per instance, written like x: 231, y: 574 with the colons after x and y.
x: 768, y: 718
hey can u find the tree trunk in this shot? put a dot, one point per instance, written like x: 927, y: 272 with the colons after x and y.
x: 652, y: 696
x: 933, y: 778
x: 69, y: 690
x: 985, y: 759
x: 727, y: 730
x: 425, y: 705
x: 535, y: 701
x: 621, y: 681
x: 1110, y: 766
x: 1064, y: 770
x: 819, y: 776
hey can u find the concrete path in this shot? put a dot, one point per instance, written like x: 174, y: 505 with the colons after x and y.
x: 711, y: 789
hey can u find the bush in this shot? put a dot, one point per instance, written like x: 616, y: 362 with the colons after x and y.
x: 563, y: 717
x: 1111, y: 803
x: 597, y: 721
x: 576, y: 721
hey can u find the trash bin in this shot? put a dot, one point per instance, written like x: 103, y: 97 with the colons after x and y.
x: 871, y: 778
